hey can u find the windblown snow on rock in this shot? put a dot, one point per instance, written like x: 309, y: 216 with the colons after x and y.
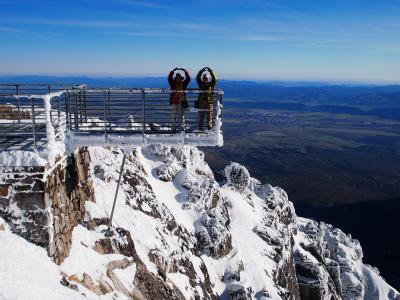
x: 178, y: 234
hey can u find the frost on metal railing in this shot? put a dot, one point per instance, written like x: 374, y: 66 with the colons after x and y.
x: 48, y: 124
x: 32, y: 127
x: 134, y: 117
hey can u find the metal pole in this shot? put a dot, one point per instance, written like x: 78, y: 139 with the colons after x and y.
x: 80, y: 107
x: 116, y: 192
x: 105, y: 116
x: 34, y: 124
x: 19, y: 107
x: 58, y: 115
x: 84, y: 101
x: 76, y: 112
x: 67, y: 115
x: 109, y: 109
x: 143, y: 112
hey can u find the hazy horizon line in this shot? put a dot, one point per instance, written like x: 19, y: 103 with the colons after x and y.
x: 228, y: 78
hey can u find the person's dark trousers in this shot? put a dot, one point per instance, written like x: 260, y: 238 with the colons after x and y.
x: 202, y: 115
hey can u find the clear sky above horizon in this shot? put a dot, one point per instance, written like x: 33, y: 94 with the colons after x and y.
x: 338, y: 40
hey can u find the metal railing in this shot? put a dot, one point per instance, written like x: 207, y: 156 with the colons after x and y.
x: 23, y: 116
x: 34, y: 89
x: 138, y: 110
x: 99, y: 116
x: 138, y: 116
x: 24, y: 121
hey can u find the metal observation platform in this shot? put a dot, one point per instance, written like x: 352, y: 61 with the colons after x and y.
x: 36, y: 116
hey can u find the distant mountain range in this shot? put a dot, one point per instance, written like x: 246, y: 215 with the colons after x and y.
x: 310, y: 93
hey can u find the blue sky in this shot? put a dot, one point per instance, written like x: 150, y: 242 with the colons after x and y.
x: 334, y: 40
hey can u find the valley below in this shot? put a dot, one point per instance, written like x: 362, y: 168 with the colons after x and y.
x: 339, y: 168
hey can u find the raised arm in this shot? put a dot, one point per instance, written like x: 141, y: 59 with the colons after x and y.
x: 198, y: 77
x: 213, y: 77
x: 187, y: 78
x: 171, y: 79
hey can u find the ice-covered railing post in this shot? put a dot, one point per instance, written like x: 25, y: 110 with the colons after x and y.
x: 48, y: 125
x: 33, y: 122
x: 218, y: 123
x: 51, y: 140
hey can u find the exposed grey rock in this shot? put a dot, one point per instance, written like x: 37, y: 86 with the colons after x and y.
x: 238, y: 292
x: 167, y: 171
x: 4, y: 203
x: 213, y: 235
x: 29, y: 201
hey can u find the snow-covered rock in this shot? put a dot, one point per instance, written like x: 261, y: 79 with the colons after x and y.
x: 18, y: 158
x: 178, y: 234
x: 329, y: 265
x: 237, y: 175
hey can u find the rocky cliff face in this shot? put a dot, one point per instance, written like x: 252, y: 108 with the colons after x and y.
x: 329, y: 265
x: 43, y: 204
x: 178, y: 234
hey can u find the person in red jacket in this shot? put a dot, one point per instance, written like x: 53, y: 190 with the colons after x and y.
x: 178, y: 101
